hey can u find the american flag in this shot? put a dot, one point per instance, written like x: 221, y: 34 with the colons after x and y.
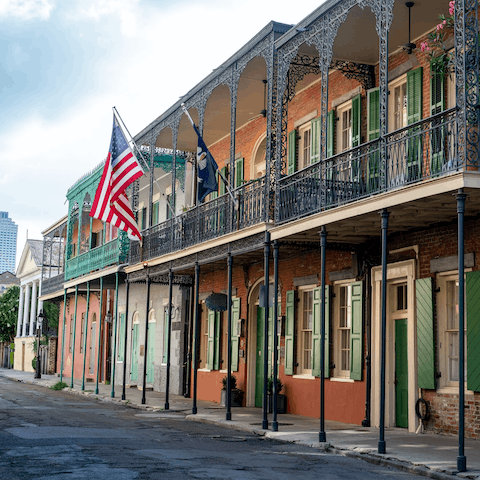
x: 111, y: 204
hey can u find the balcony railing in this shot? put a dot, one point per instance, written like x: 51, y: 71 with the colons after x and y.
x: 95, y: 259
x: 410, y: 155
x: 52, y: 284
x: 205, y: 222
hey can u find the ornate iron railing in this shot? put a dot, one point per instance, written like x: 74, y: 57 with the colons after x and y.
x: 422, y: 150
x: 53, y: 284
x: 95, y: 259
x: 205, y: 222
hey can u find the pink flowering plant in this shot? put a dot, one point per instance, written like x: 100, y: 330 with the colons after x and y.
x: 441, y: 60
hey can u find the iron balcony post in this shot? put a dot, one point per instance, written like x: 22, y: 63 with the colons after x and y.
x: 229, y: 339
x: 461, y: 458
x: 323, y: 246
x: 265, y: 332
x: 63, y: 331
x: 196, y: 339
x: 85, y: 330
x: 145, y: 352
x: 381, y: 443
x: 169, y: 337
x: 99, y: 334
x: 74, y: 332
x: 115, y: 336
x: 275, y: 334
x: 127, y: 295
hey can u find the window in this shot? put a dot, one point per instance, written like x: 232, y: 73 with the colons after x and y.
x: 448, y: 334
x: 71, y: 334
x: 121, y: 338
x: 82, y: 334
x: 203, y: 337
x: 451, y: 93
x: 398, y: 103
x: 305, y: 328
x: 342, y: 333
x: 304, y: 145
x: 344, y: 129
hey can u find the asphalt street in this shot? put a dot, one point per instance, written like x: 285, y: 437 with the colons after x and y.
x: 47, y: 434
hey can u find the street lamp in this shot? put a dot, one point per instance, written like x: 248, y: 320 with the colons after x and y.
x: 38, y: 370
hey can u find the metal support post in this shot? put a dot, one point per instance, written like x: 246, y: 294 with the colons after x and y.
x: 381, y: 443
x: 85, y: 330
x: 127, y: 294
x: 322, y: 437
x: 461, y: 458
x: 63, y: 332
x: 100, y: 329
x: 74, y: 332
x: 196, y: 338
x: 265, y: 332
x: 275, y: 334
x: 115, y: 315
x: 229, y: 339
x: 145, y: 352
x: 169, y: 337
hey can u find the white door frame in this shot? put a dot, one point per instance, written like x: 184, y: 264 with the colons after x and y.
x: 396, y: 271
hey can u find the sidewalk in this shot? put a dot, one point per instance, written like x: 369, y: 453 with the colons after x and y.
x: 433, y: 456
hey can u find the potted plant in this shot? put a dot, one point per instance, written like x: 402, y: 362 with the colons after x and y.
x: 281, y: 399
x: 236, y: 396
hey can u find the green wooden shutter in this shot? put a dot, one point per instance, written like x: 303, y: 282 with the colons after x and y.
x: 356, y: 332
x: 327, y: 331
x: 221, y: 183
x: 289, y: 332
x: 315, y: 140
x: 121, y: 338
x: 437, y: 135
x: 216, y: 355
x: 292, y: 152
x: 239, y: 174
x: 414, y: 114
x: 316, y: 334
x: 473, y: 330
x: 356, y: 120
x: 425, y: 336
x: 330, y: 132
x: 211, y: 339
x: 235, y: 339
x: 356, y: 136
x: 373, y: 132
x: 165, y: 337
x: 155, y: 213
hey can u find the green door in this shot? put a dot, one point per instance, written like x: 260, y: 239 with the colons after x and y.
x: 151, y: 349
x: 401, y: 374
x: 260, y: 340
x: 134, y: 370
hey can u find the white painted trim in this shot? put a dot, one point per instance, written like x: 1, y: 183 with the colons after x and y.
x: 402, y: 270
x: 304, y: 376
x: 306, y: 118
x: 342, y: 379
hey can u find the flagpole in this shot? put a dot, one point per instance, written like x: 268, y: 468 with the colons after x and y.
x: 119, y: 118
x: 218, y: 170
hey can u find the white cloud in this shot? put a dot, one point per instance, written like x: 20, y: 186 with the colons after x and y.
x: 26, y: 9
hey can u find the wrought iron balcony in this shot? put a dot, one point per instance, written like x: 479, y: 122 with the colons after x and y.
x: 423, y: 150
x: 205, y: 222
x: 95, y: 259
x: 53, y: 284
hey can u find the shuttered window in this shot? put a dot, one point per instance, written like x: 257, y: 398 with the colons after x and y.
x: 289, y: 332
x: 425, y: 333
x: 373, y: 132
x: 235, y: 334
x: 155, y: 213
x: 121, y: 338
x: 239, y: 172
x: 330, y: 133
x: 316, y: 127
x: 437, y: 136
x: 317, y: 331
x: 292, y: 152
x: 414, y: 114
x: 472, y: 287
x: 165, y: 335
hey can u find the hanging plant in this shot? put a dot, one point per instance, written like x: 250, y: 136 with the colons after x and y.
x: 441, y: 60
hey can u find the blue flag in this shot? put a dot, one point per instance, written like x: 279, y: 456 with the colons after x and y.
x: 206, y: 170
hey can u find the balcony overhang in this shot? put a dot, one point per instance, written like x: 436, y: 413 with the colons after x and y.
x: 417, y: 206
x: 92, y: 277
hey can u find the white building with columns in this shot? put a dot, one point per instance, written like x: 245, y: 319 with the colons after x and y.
x: 29, y: 272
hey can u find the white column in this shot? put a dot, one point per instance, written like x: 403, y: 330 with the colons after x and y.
x: 40, y: 302
x: 33, y: 309
x: 20, y: 313
x: 26, y: 304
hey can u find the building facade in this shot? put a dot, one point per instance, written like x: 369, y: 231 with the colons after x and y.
x: 8, y: 243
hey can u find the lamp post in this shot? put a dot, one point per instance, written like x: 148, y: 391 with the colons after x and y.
x: 38, y: 370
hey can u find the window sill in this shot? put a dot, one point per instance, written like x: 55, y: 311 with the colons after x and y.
x: 204, y: 370
x: 450, y: 390
x: 304, y: 376
x: 342, y: 379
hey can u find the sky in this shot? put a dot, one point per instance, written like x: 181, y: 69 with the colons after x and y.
x: 65, y: 63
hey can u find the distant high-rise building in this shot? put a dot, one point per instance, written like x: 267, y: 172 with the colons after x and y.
x: 8, y: 243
